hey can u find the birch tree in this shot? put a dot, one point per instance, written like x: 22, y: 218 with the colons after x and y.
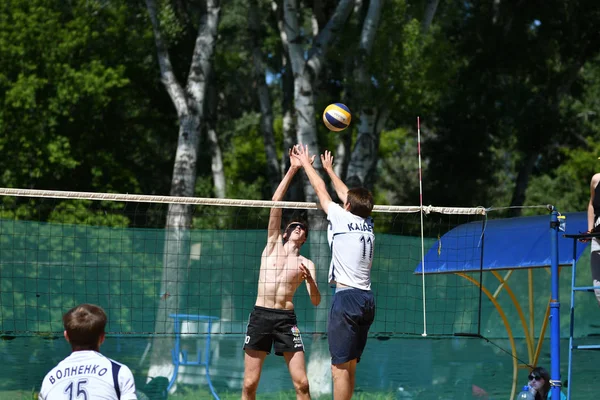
x: 343, y: 149
x: 216, y: 165
x: 371, y: 118
x: 295, y: 191
x: 188, y: 101
x: 264, y: 97
x: 306, y: 70
x: 373, y: 114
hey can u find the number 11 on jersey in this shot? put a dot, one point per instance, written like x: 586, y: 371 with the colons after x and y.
x: 367, y: 242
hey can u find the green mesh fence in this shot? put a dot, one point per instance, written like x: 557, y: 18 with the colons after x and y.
x: 47, y: 268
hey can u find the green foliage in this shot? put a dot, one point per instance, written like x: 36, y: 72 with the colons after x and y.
x: 70, y: 97
x: 82, y: 213
x: 565, y: 179
x: 170, y: 24
x: 79, y: 212
x: 409, y: 70
x: 568, y: 186
x: 398, y: 168
x: 82, y: 106
x: 506, y: 110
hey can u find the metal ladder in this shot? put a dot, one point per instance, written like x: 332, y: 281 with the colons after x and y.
x: 574, y: 289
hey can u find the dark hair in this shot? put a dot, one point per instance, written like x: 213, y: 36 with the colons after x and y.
x: 360, y: 201
x: 546, y: 388
x: 85, y: 325
x: 291, y: 226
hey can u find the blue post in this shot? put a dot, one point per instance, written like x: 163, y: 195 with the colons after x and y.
x: 332, y: 387
x: 554, y: 309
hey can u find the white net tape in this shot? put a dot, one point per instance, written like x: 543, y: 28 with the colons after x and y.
x: 56, y: 194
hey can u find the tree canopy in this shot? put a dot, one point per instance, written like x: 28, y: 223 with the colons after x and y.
x: 507, y: 93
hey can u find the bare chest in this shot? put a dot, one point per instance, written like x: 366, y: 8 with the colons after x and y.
x: 282, y: 267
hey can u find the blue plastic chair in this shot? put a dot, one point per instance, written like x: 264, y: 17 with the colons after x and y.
x: 180, y: 357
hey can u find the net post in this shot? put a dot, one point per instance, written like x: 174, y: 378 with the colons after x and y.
x: 554, y: 305
x: 424, y: 334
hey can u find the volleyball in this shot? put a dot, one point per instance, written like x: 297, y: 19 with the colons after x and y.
x: 336, y: 117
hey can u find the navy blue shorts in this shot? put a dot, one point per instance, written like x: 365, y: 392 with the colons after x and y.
x: 350, y: 317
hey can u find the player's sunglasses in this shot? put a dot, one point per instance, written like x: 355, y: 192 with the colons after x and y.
x: 295, y: 225
x: 534, y: 377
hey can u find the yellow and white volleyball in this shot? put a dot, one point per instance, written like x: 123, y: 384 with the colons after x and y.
x: 337, y: 117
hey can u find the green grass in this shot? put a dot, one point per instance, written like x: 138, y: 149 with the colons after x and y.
x: 189, y: 394
x: 18, y: 395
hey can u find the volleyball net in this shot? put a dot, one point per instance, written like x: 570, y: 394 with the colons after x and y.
x: 60, y: 249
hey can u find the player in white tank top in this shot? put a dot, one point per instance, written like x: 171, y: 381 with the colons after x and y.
x: 351, y: 241
x: 86, y: 374
x: 351, y: 238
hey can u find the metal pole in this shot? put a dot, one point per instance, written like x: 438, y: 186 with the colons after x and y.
x: 554, y: 309
x: 572, y: 317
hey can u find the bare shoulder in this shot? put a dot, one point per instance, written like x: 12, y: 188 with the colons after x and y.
x: 273, y: 248
x: 307, y: 262
x: 595, y: 179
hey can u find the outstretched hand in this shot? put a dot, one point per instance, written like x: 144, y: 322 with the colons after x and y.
x: 305, y: 273
x: 300, y: 153
x: 294, y: 162
x: 327, y: 160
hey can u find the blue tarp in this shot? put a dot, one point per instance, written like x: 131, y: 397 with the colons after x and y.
x: 509, y: 243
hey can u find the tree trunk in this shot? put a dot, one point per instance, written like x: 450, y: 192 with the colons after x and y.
x: 306, y: 71
x: 264, y: 97
x: 189, y: 104
x: 430, y: 10
x: 295, y: 192
x: 363, y: 160
x: 344, y: 147
x: 216, y: 166
x: 342, y: 154
x: 306, y: 129
x: 522, y: 182
x: 175, y: 258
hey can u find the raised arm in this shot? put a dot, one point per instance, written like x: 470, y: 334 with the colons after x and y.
x: 274, y: 228
x: 301, y: 153
x: 308, y: 273
x: 340, y: 187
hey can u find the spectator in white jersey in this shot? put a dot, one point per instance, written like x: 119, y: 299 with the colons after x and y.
x: 351, y: 240
x: 86, y: 373
x: 272, y: 323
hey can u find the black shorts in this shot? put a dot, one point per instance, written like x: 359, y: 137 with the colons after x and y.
x: 269, y: 327
x: 350, y: 317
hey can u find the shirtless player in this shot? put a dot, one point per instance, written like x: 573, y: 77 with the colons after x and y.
x: 273, y: 323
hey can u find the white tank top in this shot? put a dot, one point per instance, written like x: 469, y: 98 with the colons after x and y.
x: 352, y: 241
